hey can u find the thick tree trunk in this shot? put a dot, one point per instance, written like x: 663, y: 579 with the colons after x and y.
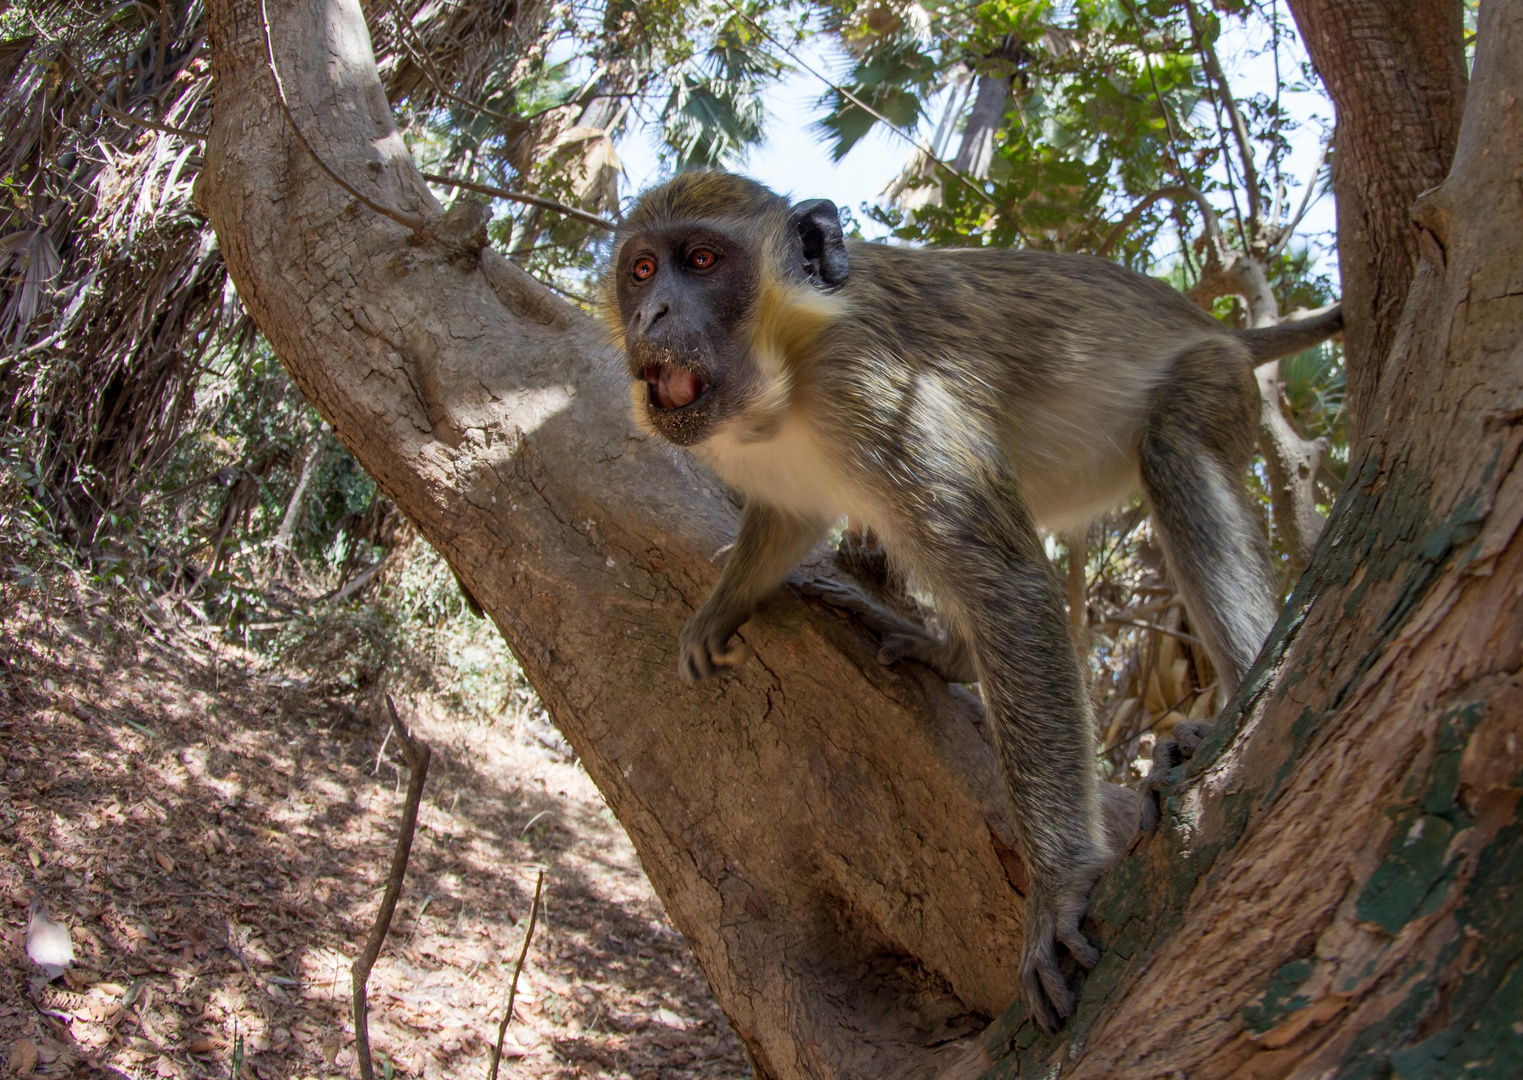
x: 976, y: 151
x: 1329, y: 890
x: 831, y: 836
x: 1335, y: 892
x: 1396, y: 73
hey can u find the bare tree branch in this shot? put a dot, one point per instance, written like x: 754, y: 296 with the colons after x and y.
x: 519, y: 196
x: 507, y: 1014
x: 417, y: 755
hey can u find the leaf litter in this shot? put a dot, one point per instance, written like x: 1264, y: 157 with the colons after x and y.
x: 216, y: 836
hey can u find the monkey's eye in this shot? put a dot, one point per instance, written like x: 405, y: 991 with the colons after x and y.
x: 702, y: 259
x: 644, y: 267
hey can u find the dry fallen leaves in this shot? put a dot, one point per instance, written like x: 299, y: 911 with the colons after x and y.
x: 239, y: 952
x: 23, y: 1058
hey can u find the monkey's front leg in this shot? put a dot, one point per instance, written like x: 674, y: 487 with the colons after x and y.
x: 770, y: 544
x: 985, y: 565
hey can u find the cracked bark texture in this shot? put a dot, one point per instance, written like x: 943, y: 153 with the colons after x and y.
x: 830, y: 835
x: 1396, y: 72
x: 1334, y: 892
x: 1329, y: 895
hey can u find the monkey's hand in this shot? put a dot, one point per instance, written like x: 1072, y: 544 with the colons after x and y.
x: 1050, y: 918
x: 704, y: 647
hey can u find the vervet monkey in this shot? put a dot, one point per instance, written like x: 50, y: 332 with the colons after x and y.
x: 954, y: 401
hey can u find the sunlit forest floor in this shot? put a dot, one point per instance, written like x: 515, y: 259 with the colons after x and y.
x: 216, y: 835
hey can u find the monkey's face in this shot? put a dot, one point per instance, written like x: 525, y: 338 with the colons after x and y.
x: 685, y: 293
x: 716, y: 282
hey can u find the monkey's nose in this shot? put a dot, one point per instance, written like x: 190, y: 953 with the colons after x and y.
x: 648, y: 315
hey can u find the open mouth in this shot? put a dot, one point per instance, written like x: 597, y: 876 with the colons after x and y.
x: 673, y: 387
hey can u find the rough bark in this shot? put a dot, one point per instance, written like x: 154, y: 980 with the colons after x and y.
x: 830, y: 835
x: 1396, y: 72
x: 1329, y: 895
x: 1335, y: 893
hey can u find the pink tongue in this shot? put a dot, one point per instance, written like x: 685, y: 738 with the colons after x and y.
x: 677, y: 388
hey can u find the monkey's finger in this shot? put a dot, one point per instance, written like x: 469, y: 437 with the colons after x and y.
x: 1036, y: 1002
x: 1189, y: 735
x: 1058, y: 993
x: 734, y: 658
x: 695, y: 665
x: 1079, y: 945
x: 894, y: 647
x: 832, y: 592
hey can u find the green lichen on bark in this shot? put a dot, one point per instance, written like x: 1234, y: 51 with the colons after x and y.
x: 1412, y: 880
x: 1280, y: 998
x: 1464, y: 1019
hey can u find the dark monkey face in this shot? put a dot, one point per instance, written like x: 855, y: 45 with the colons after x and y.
x: 698, y: 277
x: 684, y: 293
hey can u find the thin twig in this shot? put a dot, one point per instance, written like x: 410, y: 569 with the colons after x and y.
x: 1147, y: 59
x: 502, y: 1028
x: 417, y: 755
x: 518, y: 196
x: 1175, y: 192
x: 405, y: 220
x: 1143, y: 624
x: 1306, y: 196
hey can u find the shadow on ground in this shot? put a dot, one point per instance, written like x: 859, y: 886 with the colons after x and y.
x: 217, y: 839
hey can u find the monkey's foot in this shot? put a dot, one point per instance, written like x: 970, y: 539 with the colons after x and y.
x: 899, y: 638
x: 1170, y: 753
x: 1047, y: 924
x: 704, y: 648
x: 860, y: 555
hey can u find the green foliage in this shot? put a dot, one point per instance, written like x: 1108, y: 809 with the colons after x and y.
x: 357, y: 602
x: 892, y: 76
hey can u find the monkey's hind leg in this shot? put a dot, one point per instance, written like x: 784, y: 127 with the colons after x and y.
x: 1194, y: 453
x: 900, y: 638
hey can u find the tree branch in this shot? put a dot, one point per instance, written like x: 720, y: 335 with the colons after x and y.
x: 1176, y: 192
x: 405, y: 220
x: 521, y: 197
x: 1238, y: 125
x: 523, y: 953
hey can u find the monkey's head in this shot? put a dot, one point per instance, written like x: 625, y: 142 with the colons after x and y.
x: 716, y: 285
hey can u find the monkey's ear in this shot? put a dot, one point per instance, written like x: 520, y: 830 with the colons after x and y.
x: 817, y: 226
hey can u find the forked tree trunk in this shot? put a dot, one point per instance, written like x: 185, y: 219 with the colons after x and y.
x: 1396, y: 73
x: 830, y: 835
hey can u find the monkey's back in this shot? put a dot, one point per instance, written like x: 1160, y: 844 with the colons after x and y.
x: 1032, y: 317
x: 1054, y: 358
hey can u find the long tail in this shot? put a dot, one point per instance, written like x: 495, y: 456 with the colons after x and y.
x: 1292, y: 336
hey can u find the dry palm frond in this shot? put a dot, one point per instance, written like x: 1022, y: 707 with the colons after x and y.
x: 455, y: 53
x: 111, y: 289
x: 113, y: 296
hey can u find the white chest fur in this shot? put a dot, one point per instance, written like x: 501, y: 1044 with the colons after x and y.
x: 792, y: 471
